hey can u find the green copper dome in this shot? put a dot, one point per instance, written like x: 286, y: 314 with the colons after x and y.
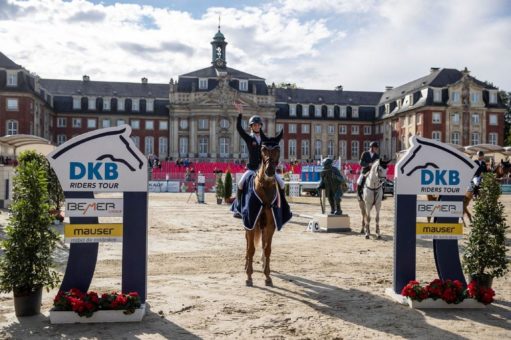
x: 219, y: 36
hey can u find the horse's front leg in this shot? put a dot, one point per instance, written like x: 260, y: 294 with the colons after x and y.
x: 363, y: 213
x: 368, y: 220
x: 249, y: 235
x: 377, y: 217
x: 268, y: 232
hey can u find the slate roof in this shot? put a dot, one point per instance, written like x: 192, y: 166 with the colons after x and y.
x: 7, y: 63
x: 104, y: 88
x: 329, y: 97
x: 212, y: 72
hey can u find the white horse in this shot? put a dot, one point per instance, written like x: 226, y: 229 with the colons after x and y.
x: 372, y: 196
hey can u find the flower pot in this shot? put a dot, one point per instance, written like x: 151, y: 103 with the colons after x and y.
x: 441, y: 304
x: 483, y: 280
x: 28, y: 305
x: 100, y: 316
x: 218, y: 201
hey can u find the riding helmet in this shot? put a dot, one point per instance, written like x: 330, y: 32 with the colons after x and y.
x: 480, y: 153
x: 255, y: 120
x: 327, y: 162
x: 375, y: 144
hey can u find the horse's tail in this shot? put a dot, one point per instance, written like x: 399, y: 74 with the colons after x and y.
x: 258, y: 236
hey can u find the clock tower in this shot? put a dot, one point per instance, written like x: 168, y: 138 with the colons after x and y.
x: 218, y: 50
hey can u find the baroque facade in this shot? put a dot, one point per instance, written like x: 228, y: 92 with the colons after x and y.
x: 195, y: 116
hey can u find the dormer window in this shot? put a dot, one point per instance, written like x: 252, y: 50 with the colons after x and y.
x: 455, y: 97
x: 121, y: 104
x: 292, y: 110
x: 317, y: 112
x: 354, y: 112
x: 493, y: 97
x: 203, y: 83
x: 135, y: 104
x: 243, y: 85
x: 474, y: 97
x: 77, y: 103
x: 106, y: 104
x: 12, y: 78
x: 437, y: 96
x: 149, y: 105
x: 92, y: 103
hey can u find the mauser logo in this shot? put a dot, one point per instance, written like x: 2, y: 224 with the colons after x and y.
x: 94, y: 207
x: 93, y: 171
x: 439, y: 209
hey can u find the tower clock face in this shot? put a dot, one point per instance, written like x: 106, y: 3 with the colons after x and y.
x: 219, y: 63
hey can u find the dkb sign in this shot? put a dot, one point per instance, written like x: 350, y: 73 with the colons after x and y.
x: 430, y: 168
x: 104, y: 160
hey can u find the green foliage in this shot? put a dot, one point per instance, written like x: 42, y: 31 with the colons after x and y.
x: 55, y: 192
x: 485, y: 252
x: 506, y: 100
x: 219, y: 187
x: 228, y: 185
x: 286, y: 86
x: 30, y: 242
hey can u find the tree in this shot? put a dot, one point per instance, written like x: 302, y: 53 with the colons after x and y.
x: 228, y: 185
x: 27, y: 262
x: 485, y: 252
x: 219, y: 188
x: 286, y: 86
x: 506, y: 100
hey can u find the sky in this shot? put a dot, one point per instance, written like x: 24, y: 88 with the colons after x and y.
x: 361, y: 45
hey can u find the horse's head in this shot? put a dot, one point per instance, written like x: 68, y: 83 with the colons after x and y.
x: 270, y: 153
x: 382, y: 168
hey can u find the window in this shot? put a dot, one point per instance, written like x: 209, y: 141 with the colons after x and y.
x: 149, y: 105
x: 183, y: 124
x: 343, y: 112
x: 120, y: 122
x: 354, y: 149
x: 305, y: 148
x: 455, y: 97
x: 278, y: 127
x: 455, y: 138
x: 292, y: 128
x: 164, y: 125
x: 367, y: 129
x: 317, y: 110
x: 354, y: 130
x: 77, y: 103
x: 12, y: 127
x: 163, y: 147
x: 354, y: 112
x: 493, y: 119
x: 61, y: 139
x: 77, y: 122
x: 243, y: 148
x: 305, y: 128
x: 292, y: 148
x: 437, y: 96
x: 243, y: 85
x: 91, y: 123
x: 149, y: 124
x: 12, y: 78
x: 106, y: 104
x: 342, y: 129
x: 121, y: 104
x: 474, y: 97
x: 203, y: 83
x: 493, y: 97
x: 331, y: 129
x: 318, y: 128
x: 12, y: 104
x: 224, y: 123
x: 455, y: 118
x: 149, y: 145
x: 317, y: 149
x: 203, y: 146
x: 135, y: 124
x: 475, y: 119
x: 105, y: 123
x: 366, y: 144
x: 183, y: 146
x: 437, y: 117
x: 305, y: 112
x: 342, y: 149
x: 135, y: 104
x: 61, y: 122
x: 436, y: 135
x: 224, y: 147
x: 92, y: 103
x: 330, y: 112
x: 493, y: 138
x: 203, y: 124
x: 136, y: 141
x: 330, y: 148
x: 292, y: 110
x: 475, y: 138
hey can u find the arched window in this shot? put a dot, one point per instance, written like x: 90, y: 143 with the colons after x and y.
x: 299, y: 109
x: 324, y: 111
x: 311, y: 110
x: 337, y: 111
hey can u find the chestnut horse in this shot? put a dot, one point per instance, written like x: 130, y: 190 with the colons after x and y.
x: 266, y: 188
x: 503, y: 169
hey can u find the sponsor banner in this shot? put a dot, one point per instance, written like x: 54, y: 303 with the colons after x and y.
x: 439, y: 209
x: 433, y: 168
x: 96, y: 207
x: 439, y: 230
x: 103, y: 160
x: 87, y: 233
x: 163, y: 186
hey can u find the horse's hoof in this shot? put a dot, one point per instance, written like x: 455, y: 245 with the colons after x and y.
x: 378, y: 237
x: 367, y: 237
x: 268, y: 283
x: 249, y: 283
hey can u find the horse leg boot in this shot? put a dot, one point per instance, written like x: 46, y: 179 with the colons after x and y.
x: 249, y: 257
x: 368, y: 221
x: 267, y: 237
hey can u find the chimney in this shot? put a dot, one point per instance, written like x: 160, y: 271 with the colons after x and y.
x: 434, y: 69
x: 388, y: 88
x: 86, y: 77
x: 144, y: 80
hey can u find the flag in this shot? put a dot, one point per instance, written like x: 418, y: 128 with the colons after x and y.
x: 238, y: 106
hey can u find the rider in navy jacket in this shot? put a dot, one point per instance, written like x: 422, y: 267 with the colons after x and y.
x: 366, y: 161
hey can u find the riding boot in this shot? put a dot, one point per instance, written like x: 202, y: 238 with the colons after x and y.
x: 338, y: 210
x: 332, y: 206
x: 239, y: 193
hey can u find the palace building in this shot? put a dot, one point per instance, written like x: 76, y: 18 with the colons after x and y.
x: 195, y: 115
